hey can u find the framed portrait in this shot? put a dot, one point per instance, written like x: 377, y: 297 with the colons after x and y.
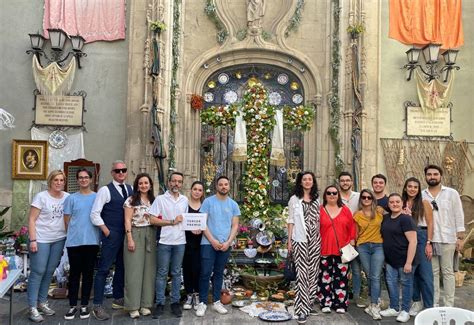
x: 30, y: 159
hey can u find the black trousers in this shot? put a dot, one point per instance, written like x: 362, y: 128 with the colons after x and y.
x: 191, y: 268
x: 81, y: 260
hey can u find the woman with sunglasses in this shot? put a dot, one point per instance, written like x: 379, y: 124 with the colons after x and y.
x: 399, y: 247
x: 422, y: 213
x: 304, y: 242
x: 337, y: 230
x: 139, y: 249
x: 369, y: 245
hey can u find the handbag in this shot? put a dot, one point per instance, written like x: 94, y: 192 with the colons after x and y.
x: 348, y: 252
x: 290, y: 269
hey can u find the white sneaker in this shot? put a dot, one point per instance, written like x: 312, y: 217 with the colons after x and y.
x: 340, y: 311
x: 403, y: 317
x: 389, y: 312
x: 374, y: 311
x: 35, y: 316
x: 416, y: 307
x: 326, y: 310
x: 44, y: 308
x: 134, y: 314
x: 188, y: 304
x: 201, y: 309
x: 145, y: 311
x: 196, y: 301
x: 219, y: 307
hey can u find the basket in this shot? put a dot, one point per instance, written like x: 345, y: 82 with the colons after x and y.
x: 255, y: 282
x: 459, y: 278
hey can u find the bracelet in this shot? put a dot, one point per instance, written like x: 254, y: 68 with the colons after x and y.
x: 128, y: 231
x: 33, y: 241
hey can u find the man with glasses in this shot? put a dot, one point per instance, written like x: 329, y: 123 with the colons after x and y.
x: 108, y: 214
x: 351, y: 200
x: 448, y: 235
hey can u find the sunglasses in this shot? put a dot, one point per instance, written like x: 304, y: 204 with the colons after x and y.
x: 435, y: 205
x: 363, y: 197
x: 331, y: 193
x: 120, y: 170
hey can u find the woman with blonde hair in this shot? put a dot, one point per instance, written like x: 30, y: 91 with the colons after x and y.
x: 47, y: 235
x: 369, y: 245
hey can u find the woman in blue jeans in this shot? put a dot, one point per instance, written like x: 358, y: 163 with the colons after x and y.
x: 422, y: 213
x: 369, y: 245
x: 399, y: 246
x: 47, y: 235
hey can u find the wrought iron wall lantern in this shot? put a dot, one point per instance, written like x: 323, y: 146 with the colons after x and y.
x: 431, y: 66
x: 57, y: 40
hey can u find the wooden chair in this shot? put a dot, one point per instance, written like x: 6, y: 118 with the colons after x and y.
x: 71, y: 168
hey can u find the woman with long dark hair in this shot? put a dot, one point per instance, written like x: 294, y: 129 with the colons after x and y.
x: 139, y: 254
x: 422, y: 213
x: 369, y: 245
x: 337, y: 230
x: 304, y: 242
x: 192, y: 252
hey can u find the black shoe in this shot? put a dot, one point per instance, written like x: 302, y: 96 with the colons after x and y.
x: 71, y: 314
x: 159, y: 310
x: 301, y: 319
x: 176, y: 309
x: 85, y: 313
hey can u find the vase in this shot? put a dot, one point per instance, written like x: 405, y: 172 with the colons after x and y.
x: 242, y: 243
x: 226, y: 297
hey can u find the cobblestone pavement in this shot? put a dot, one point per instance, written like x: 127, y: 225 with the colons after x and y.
x: 464, y: 299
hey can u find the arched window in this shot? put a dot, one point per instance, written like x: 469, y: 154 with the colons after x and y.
x: 226, y: 86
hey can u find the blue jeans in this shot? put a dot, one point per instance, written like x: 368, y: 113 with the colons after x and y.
x: 168, y: 257
x: 212, y: 262
x: 372, y: 259
x: 396, y: 278
x: 423, y: 283
x: 356, y: 277
x: 111, y: 251
x: 42, y: 266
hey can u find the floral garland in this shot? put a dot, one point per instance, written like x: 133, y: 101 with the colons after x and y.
x: 259, y: 116
x: 211, y: 11
x: 298, y: 117
x: 216, y: 116
x: 295, y: 19
x: 197, y: 102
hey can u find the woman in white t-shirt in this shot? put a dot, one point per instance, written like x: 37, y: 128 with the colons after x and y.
x: 47, y: 236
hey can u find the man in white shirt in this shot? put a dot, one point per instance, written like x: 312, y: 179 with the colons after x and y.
x: 348, y: 196
x: 448, y: 235
x: 108, y: 214
x: 166, y: 211
x: 351, y: 200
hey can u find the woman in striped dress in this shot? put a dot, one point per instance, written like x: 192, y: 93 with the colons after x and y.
x: 304, y: 242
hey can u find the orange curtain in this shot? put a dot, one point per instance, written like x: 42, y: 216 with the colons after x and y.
x: 421, y: 22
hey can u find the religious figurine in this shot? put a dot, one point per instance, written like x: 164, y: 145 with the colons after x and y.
x: 255, y: 13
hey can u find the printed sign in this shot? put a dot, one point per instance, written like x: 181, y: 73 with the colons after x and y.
x: 432, y: 123
x: 59, y: 110
x: 194, y: 221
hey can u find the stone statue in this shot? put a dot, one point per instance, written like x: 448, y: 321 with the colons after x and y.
x: 255, y: 13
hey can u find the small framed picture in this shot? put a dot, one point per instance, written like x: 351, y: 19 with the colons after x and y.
x: 29, y: 159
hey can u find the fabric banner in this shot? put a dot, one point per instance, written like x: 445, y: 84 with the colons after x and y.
x: 74, y: 149
x: 240, y: 139
x: 95, y: 20
x: 433, y: 94
x: 277, y: 156
x: 421, y: 22
x: 54, y: 80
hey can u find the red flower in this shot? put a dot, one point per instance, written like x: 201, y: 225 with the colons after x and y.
x: 197, y: 102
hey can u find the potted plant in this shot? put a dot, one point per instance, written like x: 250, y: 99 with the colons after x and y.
x: 157, y: 26
x: 355, y: 30
x: 21, y: 238
x: 208, y: 144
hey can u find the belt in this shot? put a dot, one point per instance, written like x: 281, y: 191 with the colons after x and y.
x: 423, y: 227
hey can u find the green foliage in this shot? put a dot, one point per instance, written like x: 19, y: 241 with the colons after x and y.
x: 298, y: 118
x: 211, y: 12
x: 295, y: 20
x: 158, y: 26
x: 3, y: 233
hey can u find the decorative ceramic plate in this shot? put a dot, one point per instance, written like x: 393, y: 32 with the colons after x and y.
x: 208, y: 97
x: 282, y: 79
x: 274, y: 98
x: 57, y: 139
x: 250, y: 252
x: 275, y: 316
x: 264, y: 239
x: 230, y: 97
x: 223, y: 78
x: 240, y: 303
x: 297, y: 99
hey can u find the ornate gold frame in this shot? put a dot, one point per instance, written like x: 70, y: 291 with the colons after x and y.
x: 29, y: 159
